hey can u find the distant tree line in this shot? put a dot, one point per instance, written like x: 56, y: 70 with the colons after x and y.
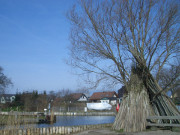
x: 37, y: 102
x: 27, y: 101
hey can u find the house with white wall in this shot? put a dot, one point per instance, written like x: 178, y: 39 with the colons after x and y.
x: 110, y: 97
x: 7, y: 98
x: 78, y: 97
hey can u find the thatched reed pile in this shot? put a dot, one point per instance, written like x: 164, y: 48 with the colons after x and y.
x: 145, y: 98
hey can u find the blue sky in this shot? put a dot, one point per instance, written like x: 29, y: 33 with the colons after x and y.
x: 33, y: 44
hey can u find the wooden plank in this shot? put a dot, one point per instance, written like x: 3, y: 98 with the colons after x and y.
x: 163, y: 117
x: 163, y: 125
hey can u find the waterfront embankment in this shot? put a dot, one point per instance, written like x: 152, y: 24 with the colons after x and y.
x: 62, y: 113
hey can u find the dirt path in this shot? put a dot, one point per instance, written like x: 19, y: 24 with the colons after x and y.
x: 106, y: 131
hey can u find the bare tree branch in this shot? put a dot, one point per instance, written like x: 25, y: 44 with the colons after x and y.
x: 120, y: 32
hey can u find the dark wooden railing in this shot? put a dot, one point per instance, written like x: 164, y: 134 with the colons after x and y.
x: 159, y: 122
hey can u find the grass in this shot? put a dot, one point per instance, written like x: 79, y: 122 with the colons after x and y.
x: 16, y: 119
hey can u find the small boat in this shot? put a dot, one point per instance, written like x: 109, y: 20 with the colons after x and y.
x: 99, y: 106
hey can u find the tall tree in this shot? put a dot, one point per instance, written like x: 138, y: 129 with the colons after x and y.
x: 4, y: 81
x: 128, y: 42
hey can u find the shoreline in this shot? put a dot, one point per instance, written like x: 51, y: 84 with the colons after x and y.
x: 62, y: 113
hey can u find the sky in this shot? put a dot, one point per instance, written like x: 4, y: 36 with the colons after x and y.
x: 34, y: 40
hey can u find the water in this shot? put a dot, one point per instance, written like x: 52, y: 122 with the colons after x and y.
x: 71, y: 121
x: 79, y: 120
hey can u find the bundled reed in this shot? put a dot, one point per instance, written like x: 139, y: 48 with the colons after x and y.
x: 145, y: 98
x: 134, y: 109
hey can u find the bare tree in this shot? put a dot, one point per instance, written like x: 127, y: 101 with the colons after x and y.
x: 52, y: 95
x: 42, y: 102
x: 4, y: 81
x: 127, y: 42
x: 64, y: 95
x: 170, y: 78
x: 83, y: 90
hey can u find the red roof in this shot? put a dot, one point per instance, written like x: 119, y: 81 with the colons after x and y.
x: 100, y: 95
x: 76, y: 96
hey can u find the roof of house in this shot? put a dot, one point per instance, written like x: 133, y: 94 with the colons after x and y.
x: 76, y: 96
x: 100, y: 95
x: 70, y: 97
x: 122, y: 91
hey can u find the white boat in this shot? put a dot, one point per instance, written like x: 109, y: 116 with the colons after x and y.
x: 99, y: 106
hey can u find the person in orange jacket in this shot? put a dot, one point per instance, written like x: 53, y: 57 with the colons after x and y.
x: 117, y: 106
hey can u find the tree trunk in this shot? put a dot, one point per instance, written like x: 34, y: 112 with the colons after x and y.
x: 134, y: 108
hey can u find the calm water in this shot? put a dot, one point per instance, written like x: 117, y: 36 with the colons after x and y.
x: 71, y: 121
x: 79, y: 120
